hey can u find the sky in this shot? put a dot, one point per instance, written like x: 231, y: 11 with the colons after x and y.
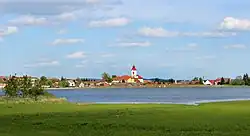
x: 162, y: 38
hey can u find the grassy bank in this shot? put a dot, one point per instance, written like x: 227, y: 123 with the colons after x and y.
x: 216, y: 119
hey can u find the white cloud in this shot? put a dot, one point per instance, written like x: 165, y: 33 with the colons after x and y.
x: 107, y: 55
x: 62, y: 31
x: 8, y: 31
x: 231, y: 23
x: 189, y: 47
x: 77, y: 55
x: 67, y: 41
x: 156, y: 32
x: 134, y: 44
x: 114, y: 22
x: 206, y: 57
x: 29, y: 20
x: 43, y: 64
x: 67, y: 16
x: 208, y: 34
x: 236, y: 46
x: 161, y: 32
x: 51, y: 7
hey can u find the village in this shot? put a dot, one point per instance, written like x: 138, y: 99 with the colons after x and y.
x: 133, y: 80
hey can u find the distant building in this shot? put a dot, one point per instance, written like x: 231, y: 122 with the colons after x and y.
x: 2, y: 85
x: 33, y: 80
x: 133, y: 78
x: 71, y: 83
x: 82, y: 85
x: 209, y: 82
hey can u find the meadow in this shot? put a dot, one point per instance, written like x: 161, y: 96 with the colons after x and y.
x: 64, y: 119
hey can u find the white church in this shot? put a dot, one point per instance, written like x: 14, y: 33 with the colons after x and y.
x: 133, y: 78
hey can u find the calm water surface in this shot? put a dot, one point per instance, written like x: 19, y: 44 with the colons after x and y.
x: 157, y: 95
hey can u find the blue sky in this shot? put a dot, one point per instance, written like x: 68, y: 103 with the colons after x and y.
x: 163, y: 38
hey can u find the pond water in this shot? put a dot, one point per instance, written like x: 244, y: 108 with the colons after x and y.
x: 154, y: 95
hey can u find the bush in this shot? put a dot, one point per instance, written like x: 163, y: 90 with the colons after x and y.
x: 23, y: 87
x: 238, y: 82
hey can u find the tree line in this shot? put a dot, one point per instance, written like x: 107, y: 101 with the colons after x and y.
x: 24, y: 87
x: 245, y: 80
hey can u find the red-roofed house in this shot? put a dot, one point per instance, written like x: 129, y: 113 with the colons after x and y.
x: 209, y: 82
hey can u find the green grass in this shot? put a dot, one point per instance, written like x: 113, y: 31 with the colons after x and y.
x: 216, y: 119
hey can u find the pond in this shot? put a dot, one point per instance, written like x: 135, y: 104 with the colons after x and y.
x: 154, y: 95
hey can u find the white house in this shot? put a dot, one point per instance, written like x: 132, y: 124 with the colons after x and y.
x: 82, y: 85
x: 208, y: 82
x: 2, y: 85
x: 71, y: 83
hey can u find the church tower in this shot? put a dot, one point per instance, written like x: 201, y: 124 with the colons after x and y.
x: 134, y: 72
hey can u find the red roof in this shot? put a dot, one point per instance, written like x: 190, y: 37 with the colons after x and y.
x: 212, y: 81
x: 133, y: 68
x: 119, y: 78
x: 218, y: 80
x: 140, y: 77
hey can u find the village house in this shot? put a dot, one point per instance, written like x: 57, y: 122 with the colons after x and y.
x: 133, y: 78
x: 2, y: 85
x: 216, y: 81
x: 82, y: 85
x: 71, y: 83
x: 105, y: 84
x: 209, y: 82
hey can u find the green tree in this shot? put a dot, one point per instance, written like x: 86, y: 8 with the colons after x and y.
x: 43, y: 80
x: 25, y: 86
x: 63, y: 79
x: 37, y: 89
x: 200, y: 80
x: 106, y: 77
x: 49, y: 83
x: 63, y: 84
x: 238, y: 82
x: 2, y: 80
x: 12, y: 87
x: 246, y: 79
x: 195, y: 79
x: 222, y: 82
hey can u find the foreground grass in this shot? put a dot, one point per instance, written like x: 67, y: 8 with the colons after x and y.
x: 217, y: 119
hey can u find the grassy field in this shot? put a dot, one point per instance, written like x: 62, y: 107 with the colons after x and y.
x: 216, y: 119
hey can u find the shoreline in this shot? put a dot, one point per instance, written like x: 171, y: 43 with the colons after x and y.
x: 147, y: 87
x: 194, y: 103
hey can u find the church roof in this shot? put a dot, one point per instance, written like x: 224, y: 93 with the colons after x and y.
x: 140, y: 77
x: 133, y: 68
